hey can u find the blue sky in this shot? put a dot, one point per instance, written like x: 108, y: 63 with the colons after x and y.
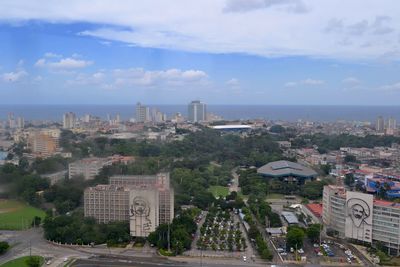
x: 222, y: 52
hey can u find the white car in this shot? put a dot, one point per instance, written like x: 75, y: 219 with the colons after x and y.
x: 283, y: 253
x: 65, y: 259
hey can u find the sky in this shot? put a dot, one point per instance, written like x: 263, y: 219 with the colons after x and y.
x: 272, y: 52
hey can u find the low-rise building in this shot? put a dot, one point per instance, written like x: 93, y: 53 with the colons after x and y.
x: 287, y: 171
x: 88, y: 167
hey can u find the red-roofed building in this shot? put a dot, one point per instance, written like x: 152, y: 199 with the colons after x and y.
x: 315, y: 208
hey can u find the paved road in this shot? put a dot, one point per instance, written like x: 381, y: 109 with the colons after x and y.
x: 121, y: 262
x: 234, y: 187
x: 32, y: 242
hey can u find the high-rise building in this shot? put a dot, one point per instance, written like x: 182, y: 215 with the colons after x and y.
x: 142, y: 113
x: 145, y: 201
x: 11, y: 121
x: 69, y: 120
x: 380, y: 125
x: 392, y: 123
x: 20, y: 122
x: 197, y: 111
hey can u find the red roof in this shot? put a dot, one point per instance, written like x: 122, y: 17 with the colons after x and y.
x: 315, y: 208
x: 383, y: 202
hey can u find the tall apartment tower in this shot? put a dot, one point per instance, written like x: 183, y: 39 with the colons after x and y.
x: 20, y: 122
x: 392, y: 123
x: 142, y: 113
x: 11, y: 121
x: 380, y: 124
x: 69, y: 120
x: 197, y: 111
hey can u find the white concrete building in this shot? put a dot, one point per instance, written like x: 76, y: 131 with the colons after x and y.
x: 88, y: 167
x: 358, y: 216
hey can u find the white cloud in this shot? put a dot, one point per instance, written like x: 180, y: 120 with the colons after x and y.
x: 52, y: 55
x: 38, y: 79
x: 233, y: 82
x: 352, y: 81
x: 395, y: 87
x: 139, y: 76
x: 309, y: 82
x: 68, y: 63
x: 143, y: 78
x: 258, y: 27
x: 14, y: 76
x: 295, y: 6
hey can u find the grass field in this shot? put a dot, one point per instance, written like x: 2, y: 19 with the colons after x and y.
x: 20, y: 262
x: 16, y: 215
x: 218, y: 190
x: 275, y: 196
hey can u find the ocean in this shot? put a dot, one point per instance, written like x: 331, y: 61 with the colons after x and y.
x: 228, y: 112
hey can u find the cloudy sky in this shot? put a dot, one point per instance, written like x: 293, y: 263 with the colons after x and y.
x: 220, y: 51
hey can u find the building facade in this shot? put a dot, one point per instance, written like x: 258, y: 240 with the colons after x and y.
x: 142, y: 113
x: 69, y: 120
x: 145, y: 201
x: 107, y: 203
x: 44, y: 143
x: 380, y: 124
x: 197, y: 111
x: 88, y: 167
x: 358, y: 216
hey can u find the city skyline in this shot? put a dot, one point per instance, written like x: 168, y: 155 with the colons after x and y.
x: 262, y: 52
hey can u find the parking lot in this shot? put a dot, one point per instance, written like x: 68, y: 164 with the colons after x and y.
x: 328, y: 252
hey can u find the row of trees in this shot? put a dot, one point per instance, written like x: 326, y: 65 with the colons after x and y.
x: 256, y: 236
x: 77, y: 229
x: 253, y: 183
x: 179, y: 233
x: 205, y: 145
x: 295, y: 235
x: 263, y: 211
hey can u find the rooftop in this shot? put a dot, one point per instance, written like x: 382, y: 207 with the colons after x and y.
x: 315, y: 208
x: 231, y: 127
x: 286, y: 168
x: 290, y: 217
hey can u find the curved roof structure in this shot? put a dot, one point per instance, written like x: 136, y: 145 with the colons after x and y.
x: 232, y: 127
x: 284, y: 168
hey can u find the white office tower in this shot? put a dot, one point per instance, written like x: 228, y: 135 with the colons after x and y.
x: 20, y: 122
x: 142, y: 113
x: 392, y: 123
x: 380, y: 124
x: 69, y: 120
x: 197, y: 111
x: 11, y: 121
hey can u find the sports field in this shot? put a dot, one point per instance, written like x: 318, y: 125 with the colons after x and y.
x: 20, y: 262
x: 15, y: 215
x: 218, y: 191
